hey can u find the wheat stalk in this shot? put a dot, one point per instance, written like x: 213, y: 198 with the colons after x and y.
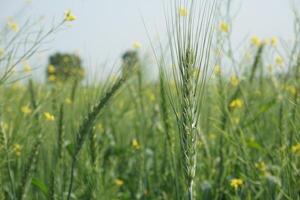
x: 88, y: 122
x: 190, y: 37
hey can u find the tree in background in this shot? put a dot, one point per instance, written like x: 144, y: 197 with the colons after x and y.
x: 65, y: 67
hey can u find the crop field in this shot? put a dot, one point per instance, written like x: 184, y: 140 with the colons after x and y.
x: 214, y: 124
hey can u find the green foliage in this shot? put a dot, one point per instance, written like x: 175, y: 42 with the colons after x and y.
x: 253, y: 148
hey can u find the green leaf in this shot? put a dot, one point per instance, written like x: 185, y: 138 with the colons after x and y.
x: 264, y: 108
x: 40, y: 185
x: 70, y: 148
x: 254, y: 145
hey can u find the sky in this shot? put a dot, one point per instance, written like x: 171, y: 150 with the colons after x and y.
x: 106, y: 28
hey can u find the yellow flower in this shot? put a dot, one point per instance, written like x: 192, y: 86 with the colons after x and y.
x: 279, y: 60
x: 48, y: 116
x: 224, y: 27
x: 261, y: 166
x: 26, y: 109
x: 137, y: 45
x: 274, y: 41
x: 217, y: 70
x: 27, y: 68
x: 182, y: 12
x: 51, y: 69
x: 52, y: 78
x: 135, y: 144
x: 236, y: 183
x: 237, y: 103
x: 69, y: 16
x: 13, y: 25
x: 255, y: 41
x: 151, y: 96
x: 234, y: 80
x: 68, y: 101
x: 17, y: 149
x: 119, y: 182
x: 291, y: 89
x: 296, y: 148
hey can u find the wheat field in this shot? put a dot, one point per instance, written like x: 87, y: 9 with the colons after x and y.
x: 200, y: 130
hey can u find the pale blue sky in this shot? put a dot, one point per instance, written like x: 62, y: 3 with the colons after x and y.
x: 105, y: 28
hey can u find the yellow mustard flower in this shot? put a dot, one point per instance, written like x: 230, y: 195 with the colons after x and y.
x: 151, y: 96
x: 51, y: 69
x: 26, y: 110
x: 136, y: 45
x: 274, y: 41
x: 119, y: 182
x: 52, y: 78
x: 135, y: 144
x: 182, y: 12
x: 69, y: 16
x: 261, y: 166
x: 217, y: 70
x: 17, y: 149
x: 234, y: 80
x: 224, y: 27
x: 27, y: 68
x: 279, y: 60
x: 236, y: 183
x: 236, y: 103
x: 296, y: 148
x: 48, y: 116
x: 13, y: 25
x: 291, y: 89
x: 255, y: 41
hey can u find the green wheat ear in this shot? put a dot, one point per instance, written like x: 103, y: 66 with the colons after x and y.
x: 190, y: 33
x: 89, y: 120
